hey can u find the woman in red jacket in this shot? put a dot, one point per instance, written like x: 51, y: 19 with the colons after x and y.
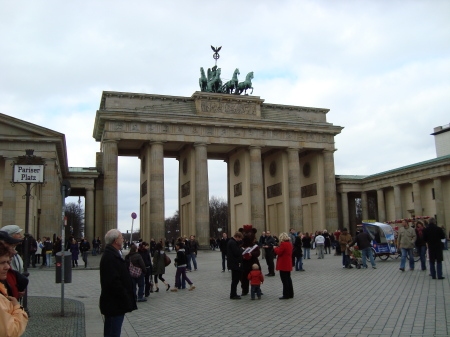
x: 284, y: 265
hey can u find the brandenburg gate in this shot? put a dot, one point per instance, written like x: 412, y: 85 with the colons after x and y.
x: 280, y: 160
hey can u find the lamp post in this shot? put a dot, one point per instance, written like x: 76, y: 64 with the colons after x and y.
x: 28, y: 169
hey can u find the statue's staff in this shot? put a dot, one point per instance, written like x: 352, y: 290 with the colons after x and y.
x: 216, y: 55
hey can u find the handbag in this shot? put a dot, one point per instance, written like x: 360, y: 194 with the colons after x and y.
x: 135, y: 272
x: 167, y: 260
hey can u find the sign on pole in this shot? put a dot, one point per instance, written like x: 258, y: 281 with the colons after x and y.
x: 28, y: 173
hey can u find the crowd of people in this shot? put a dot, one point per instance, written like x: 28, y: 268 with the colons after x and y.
x: 127, y: 280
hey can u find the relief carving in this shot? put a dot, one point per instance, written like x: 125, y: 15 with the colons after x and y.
x: 309, y: 190
x: 228, y: 108
x: 274, y: 191
x: 238, y: 189
x: 186, y: 189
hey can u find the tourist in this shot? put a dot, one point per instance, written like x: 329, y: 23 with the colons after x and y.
x: 256, y: 278
x: 320, y: 244
x: 12, y: 315
x: 433, y: 236
x: 38, y: 250
x: 297, y: 253
x: 159, y: 266
x: 406, y: 240
x: 193, y: 248
x: 268, y: 247
x: 234, y: 263
x: 344, y: 240
x: 117, y: 297
x: 421, y: 245
x: 223, y: 249
x: 363, y: 241
x: 180, y: 276
x: 144, y: 251
x: 306, y: 244
x: 15, y: 232
x: 84, y: 248
x: 284, y: 265
x: 327, y: 244
x: 134, y: 258
x: 74, y: 249
x: 261, y: 243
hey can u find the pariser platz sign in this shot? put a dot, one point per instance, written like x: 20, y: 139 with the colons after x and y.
x: 28, y: 173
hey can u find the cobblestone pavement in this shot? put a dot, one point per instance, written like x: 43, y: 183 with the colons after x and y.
x: 329, y: 301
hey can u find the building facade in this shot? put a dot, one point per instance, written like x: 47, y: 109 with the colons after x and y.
x: 280, y: 162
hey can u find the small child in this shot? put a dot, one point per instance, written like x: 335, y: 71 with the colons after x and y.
x: 256, y: 279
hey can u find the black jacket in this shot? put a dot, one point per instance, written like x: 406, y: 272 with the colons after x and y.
x: 234, y: 255
x: 433, y: 236
x: 117, y: 295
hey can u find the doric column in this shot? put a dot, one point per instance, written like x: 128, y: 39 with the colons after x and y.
x: 201, y: 194
x: 9, y: 195
x: 364, y: 206
x: 330, y: 191
x: 110, y: 152
x: 51, y: 191
x: 256, y: 189
x: 417, y: 199
x: 381, y: 207
x: 345, y: 216
x: 89, y: 214
x: 439, y: 202
x: 398, y: 202
x: 295, y: 207
x: 156, y: 190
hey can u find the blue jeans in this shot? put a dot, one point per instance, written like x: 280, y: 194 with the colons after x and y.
x: 113, y: 326
x: 433, y: 269
x: 224, y: 257
x: 298, y: 263
x: 181, y: 278
x: 345, y: 260
x: 255, y: 289
x: 192, y: 257
x: 48, y: 259
x: 367, y: 252
x: 307, y: 253
x: 422, y: 250
x: 140, y: 282
x: 405, y: 252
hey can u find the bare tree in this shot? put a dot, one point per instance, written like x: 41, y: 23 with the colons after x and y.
x: 218, y: 216
x: 75, y: 220
x: 172, y: 227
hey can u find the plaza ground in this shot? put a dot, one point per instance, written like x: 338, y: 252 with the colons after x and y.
x: 329, y: 301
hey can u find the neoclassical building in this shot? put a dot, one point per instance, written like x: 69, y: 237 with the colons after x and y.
x: 280, y: 163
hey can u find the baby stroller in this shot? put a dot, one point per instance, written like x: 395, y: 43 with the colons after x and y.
x: 355, y: 257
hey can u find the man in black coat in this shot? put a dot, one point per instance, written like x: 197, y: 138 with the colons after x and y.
x: 117, y: 296
x: 270, y: 255
x: 433, y: 236
x: 234, y: 261
x: 223, y: 242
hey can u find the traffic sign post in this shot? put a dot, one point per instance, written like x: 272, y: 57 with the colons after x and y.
x: 133, y: 216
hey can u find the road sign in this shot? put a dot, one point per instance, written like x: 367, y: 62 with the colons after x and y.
x: 134, y: 215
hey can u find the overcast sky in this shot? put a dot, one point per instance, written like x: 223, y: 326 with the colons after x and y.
x: 381, y: 67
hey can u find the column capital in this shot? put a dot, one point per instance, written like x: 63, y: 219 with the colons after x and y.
x: 199, y: 144
x: 110, y: 140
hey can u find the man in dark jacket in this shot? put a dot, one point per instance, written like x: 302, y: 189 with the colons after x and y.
x: 117, y: 296
x: 433, y: 236
x: 364, y: 243
x: 234, y: 261
x: 270, y: 255
x: 223, y: 242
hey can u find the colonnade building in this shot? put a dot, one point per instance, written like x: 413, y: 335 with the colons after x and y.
x: 280, y: 162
